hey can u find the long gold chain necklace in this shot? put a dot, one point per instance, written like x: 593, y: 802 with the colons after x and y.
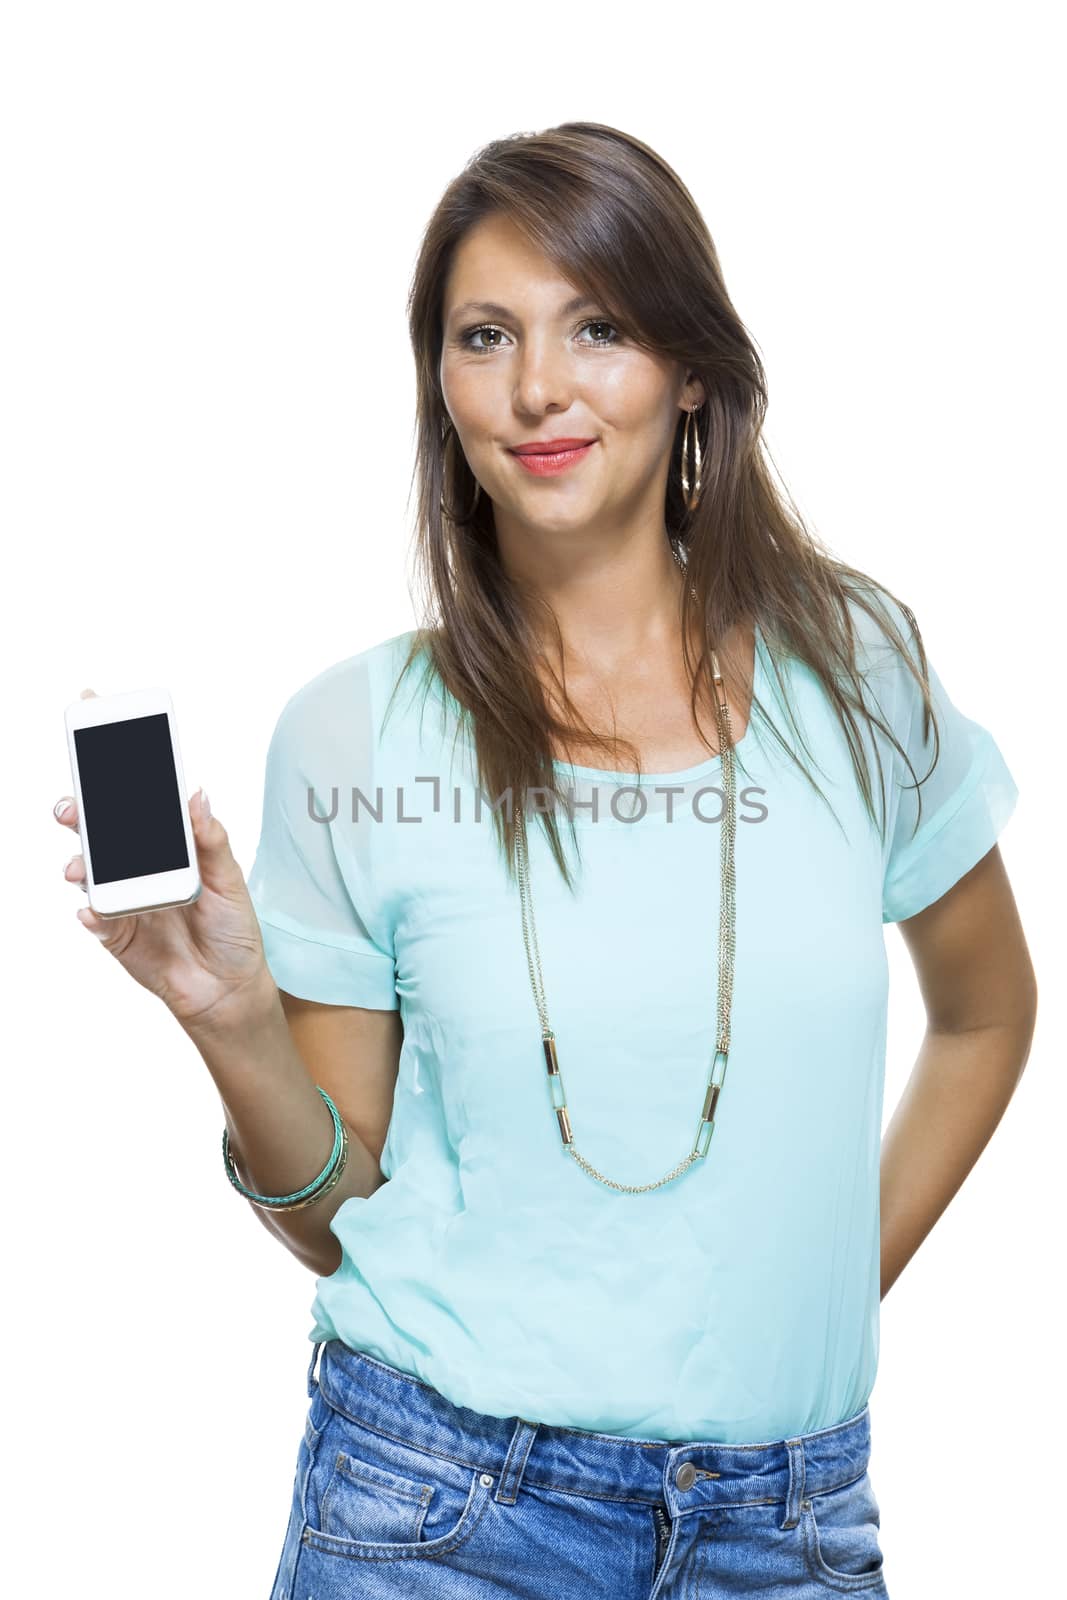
x: 727, y: 832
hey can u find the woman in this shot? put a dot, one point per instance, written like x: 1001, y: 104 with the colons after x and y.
x: 572, y: 1344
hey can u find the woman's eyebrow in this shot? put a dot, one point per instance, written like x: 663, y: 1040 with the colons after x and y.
x: 490, y: 308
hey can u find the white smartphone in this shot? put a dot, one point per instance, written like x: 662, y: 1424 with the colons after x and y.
x: 133, y: 818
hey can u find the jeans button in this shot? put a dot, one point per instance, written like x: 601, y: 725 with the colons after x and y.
x: 685, y: 1477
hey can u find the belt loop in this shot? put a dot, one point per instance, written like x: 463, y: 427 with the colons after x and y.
x: 515, y: 1462
x: 796, y: 1482
x: 313, y: 1382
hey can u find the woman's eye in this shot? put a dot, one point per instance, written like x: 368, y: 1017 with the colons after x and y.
x: 599, y: 322
x: 476, y: 332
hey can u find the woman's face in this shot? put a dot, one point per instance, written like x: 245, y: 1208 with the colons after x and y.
x: 520, y: 364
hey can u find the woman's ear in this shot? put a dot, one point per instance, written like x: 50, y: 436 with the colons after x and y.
x: 694, y: 394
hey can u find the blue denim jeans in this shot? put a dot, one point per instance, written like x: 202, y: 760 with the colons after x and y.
x: 399, y: 1492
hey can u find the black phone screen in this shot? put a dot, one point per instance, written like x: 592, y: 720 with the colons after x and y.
x: 132, y: 822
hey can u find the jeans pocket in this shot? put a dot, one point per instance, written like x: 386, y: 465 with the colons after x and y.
x: 372, y: 1496
x: 841, y: 1536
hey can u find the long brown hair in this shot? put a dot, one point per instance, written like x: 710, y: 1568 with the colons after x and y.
x: 621, y: 225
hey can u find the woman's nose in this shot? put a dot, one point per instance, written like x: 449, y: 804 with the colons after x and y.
x: 544, y: 377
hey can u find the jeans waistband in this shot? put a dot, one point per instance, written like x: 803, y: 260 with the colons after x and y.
x: 684, y: 1476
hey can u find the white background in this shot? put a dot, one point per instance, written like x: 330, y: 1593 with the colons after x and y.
x: 211, y: 214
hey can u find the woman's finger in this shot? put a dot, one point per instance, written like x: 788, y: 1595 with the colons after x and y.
x: 107, y: 932
x: 74, y: 872
x: 66, y: 812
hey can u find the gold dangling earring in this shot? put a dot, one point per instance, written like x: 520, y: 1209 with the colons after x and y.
x: 692, y: 499
x: 445, y: 512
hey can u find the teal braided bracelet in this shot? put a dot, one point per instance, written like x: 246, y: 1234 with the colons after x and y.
x: 313, y: 1191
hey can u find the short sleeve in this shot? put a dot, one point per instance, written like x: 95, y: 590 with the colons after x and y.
x: 965, y: 801
x: 325, y: 934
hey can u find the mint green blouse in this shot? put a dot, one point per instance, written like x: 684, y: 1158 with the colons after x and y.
x: 740, y: 1302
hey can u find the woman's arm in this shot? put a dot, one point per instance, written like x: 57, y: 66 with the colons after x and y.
x: 980, y: 993
x: 265, y: 1065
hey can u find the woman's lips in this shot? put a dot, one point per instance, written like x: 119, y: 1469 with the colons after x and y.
x: 542, y: 465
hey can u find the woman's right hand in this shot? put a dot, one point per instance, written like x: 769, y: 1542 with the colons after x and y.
x: 204, y: 960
